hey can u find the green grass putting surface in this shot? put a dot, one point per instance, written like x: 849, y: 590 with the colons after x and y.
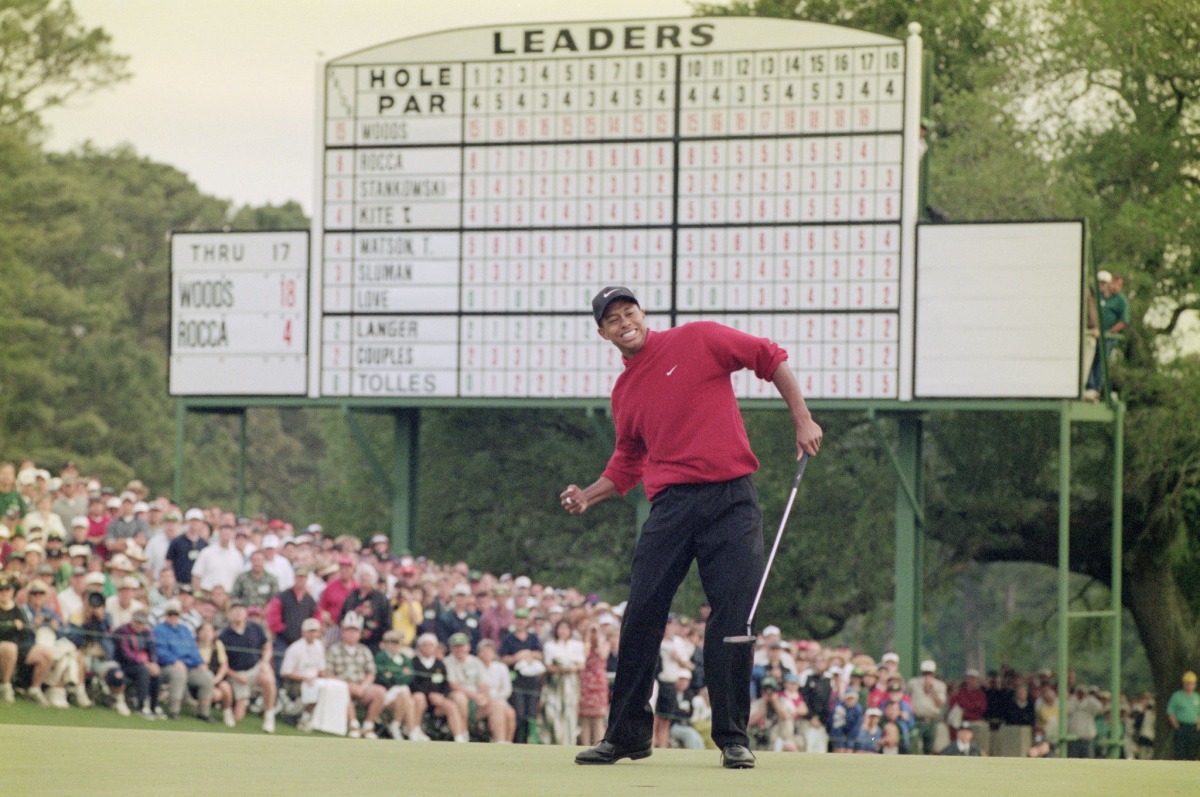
x: 58, y: 760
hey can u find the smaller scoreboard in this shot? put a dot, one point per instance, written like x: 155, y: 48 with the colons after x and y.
x: 239, y: 313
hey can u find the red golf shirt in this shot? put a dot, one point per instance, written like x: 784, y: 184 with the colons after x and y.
x: 676, y: 416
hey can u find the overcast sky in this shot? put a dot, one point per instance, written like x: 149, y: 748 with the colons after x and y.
x: 225, y: 89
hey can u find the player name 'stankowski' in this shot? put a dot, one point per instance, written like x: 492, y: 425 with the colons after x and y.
x: 401, y: 187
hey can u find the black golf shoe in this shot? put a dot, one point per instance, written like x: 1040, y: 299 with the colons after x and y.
x: 736, y: 756
x: 608, y: 753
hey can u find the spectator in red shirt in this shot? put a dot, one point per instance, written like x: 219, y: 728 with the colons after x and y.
x: 337, y: 589
x: 97, y: 524
x: 971, y: 698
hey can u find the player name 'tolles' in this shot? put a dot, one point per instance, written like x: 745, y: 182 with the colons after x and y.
x: 395, y: 384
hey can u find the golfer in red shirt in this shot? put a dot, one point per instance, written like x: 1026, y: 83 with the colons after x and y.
x: 680, y: 432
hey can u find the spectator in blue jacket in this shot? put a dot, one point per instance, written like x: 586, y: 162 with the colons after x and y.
x: 180, y: 660
x: 845, y: 722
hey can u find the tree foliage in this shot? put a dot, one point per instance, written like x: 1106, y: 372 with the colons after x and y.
x: 48, y: 56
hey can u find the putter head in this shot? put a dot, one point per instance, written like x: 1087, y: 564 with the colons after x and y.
x: 746, y: 639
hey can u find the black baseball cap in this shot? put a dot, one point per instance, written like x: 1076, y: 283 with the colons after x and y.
x: 607, y: 296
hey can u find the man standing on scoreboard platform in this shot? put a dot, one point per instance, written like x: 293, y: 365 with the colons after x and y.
x: 680, y: 432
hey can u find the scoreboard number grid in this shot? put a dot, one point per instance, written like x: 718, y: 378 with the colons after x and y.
x: 472, y: 204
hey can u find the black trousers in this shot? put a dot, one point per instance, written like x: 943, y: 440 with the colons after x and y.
x: 1186, y: 742
x: 720, y: 526
x: 144, y: 693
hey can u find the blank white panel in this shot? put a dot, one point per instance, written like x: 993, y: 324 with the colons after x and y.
x: 998, y: 310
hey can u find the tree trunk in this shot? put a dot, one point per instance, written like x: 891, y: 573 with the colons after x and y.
x: 1168, y: 631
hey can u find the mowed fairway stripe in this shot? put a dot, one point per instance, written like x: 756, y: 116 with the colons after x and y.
x: 49, y: 761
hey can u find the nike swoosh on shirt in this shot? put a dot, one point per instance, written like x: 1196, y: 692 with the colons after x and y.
x: 673, y: 367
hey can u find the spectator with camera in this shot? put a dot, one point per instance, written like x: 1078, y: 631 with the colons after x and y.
x: 91, y: 629
x: 179, y: 657
x: 772, y: 718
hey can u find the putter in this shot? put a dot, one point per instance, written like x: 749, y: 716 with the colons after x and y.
x: 749, y: 636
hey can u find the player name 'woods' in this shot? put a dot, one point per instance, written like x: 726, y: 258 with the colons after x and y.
x: 599, y: 39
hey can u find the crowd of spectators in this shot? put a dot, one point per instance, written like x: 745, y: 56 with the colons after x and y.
x: 107, y: 597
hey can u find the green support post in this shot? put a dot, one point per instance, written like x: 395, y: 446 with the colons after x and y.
x: 404, y: 478
x: 241, y: 477
x: 1114, y: 751
x: 910, y: 571
x: 1064, y: 568
x: 180, y: 418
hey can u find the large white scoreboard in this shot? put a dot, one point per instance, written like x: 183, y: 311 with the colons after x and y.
x: 478, y: 186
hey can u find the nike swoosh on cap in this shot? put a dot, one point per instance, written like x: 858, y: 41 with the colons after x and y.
x: 610, y: 293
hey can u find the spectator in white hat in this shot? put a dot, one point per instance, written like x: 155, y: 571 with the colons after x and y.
x: 275, y: 564
x: 303, y: 664
x: 350, y: 661
x: 772, y: 634
x: 459, y: 618
x: 431, y: 691
x: 122, y: 605
x: 928, y: 694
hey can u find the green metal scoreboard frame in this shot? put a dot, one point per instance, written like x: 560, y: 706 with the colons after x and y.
x: 477, y: 186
